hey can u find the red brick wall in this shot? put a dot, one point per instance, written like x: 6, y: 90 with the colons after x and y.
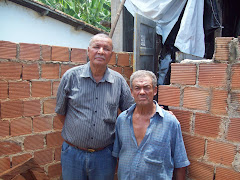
x: 29, y: 78
x: 205, y: 97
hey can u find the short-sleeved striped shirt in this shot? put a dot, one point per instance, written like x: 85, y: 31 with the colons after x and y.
x: 91, y: 108
x: 161, y: 150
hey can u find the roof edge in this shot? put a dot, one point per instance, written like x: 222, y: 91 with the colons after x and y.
x: 45, y: 10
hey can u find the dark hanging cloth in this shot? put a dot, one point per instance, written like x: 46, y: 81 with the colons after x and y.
x: 211, y: 20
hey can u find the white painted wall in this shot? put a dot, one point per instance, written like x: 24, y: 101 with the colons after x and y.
x: 22, y: 25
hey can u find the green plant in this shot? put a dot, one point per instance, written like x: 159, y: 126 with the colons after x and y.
x: 90, y: 11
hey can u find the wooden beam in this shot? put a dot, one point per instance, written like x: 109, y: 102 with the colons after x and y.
x: 116, y: 19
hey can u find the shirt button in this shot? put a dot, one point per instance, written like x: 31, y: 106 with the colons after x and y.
x: 95, y: 111
x: 93, y: 124
x: 96, y: 97
x: 91, y: 137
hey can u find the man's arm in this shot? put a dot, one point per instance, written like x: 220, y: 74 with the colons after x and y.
x: 179, y: 173
x: 61, y: 117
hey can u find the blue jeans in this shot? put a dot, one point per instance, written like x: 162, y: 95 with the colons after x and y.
x: 81, y: 165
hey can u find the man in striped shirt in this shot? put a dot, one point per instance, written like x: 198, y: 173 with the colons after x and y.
x: 88, y: 99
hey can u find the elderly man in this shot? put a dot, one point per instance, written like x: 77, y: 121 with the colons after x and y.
x: 148, y: 139
x: 88, y: 99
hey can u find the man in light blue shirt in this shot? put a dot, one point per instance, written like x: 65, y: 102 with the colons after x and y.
x: 148, y: 140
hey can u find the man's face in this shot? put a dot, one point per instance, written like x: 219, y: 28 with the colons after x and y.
x: 143, y: 91
x: 100, y: 51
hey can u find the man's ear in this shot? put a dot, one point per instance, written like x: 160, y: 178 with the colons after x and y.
x: 87, y: 50
x: 112, y: 53
x: 131, y: 91
x: 155, y: 90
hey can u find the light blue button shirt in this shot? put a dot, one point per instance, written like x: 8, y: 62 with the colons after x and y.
x: 161, y: 150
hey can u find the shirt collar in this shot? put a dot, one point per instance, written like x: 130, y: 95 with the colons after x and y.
x: 87, y: 73
x: 159, y: 110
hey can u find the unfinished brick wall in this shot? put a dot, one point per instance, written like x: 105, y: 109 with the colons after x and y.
x: 205, y: 97
x: 29, y: 78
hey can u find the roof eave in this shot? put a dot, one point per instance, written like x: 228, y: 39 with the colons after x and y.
x: 45, y: 10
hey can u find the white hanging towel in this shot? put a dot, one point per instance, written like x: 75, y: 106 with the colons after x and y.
x: 190, y: 37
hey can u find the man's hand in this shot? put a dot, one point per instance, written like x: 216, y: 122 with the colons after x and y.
x: 61, y: 117
x: 170, y: 112
x: 179, y: 173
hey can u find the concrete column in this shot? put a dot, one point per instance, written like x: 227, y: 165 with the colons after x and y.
x: 118, y: 33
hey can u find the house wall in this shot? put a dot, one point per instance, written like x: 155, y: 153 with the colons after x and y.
x: 29, y: 78
x: 23, y: 25
x: 205, y: 97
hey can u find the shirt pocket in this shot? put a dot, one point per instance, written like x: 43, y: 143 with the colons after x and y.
x: 111, y: 112
x: 77, y: 97
x: 156, y: 152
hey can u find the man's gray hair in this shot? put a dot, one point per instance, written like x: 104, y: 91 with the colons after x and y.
x: 99, y: 35
x: 143, y: 73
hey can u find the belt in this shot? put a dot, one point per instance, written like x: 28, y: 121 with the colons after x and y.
x: 85, y: 149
